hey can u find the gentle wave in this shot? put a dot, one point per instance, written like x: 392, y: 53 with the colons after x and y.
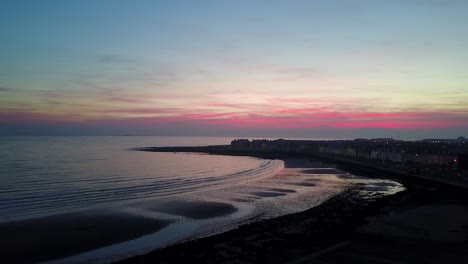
x: 36, y: 181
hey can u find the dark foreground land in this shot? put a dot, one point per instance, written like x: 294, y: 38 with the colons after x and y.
x: 37, y: 240
x: 415, y: 226
x: 427, y: 223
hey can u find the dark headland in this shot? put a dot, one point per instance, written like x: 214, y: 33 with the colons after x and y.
x: 426, y: 223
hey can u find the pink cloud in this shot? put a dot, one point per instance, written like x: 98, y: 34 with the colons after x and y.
x: 128, y: 100
x: 144, y: 111
x: 293, y: 100
x: 278, y: 119
x: 395, y: 125
x: 301, y: 112
x: 310, y: 118
x: 221, y: 105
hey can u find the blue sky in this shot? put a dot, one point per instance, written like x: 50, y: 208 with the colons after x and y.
x: 246, y: 67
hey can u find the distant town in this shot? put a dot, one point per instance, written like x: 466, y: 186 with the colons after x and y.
x: 446, y: 158
x: 440, y: 160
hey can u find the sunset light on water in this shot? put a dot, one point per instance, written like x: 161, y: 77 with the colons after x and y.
x: 233, y: 131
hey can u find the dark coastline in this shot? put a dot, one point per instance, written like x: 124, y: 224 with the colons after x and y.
x: 405, y: 227
x: 334, y: 232
x: 346, y: 164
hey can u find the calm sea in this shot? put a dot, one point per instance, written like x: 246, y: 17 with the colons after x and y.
x: 49, y: 176
x: 42, y: 175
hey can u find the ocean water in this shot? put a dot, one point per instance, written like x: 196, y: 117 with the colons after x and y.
x: 50, y: 176
x: 44, y: 175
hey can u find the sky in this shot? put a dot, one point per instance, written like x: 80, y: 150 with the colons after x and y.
x: 309, y: 69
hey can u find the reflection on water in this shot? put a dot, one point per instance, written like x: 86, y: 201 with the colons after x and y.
x: 198, y: 194
x: 374, y: 188
x: 46, y: 175
x: 217, y: 210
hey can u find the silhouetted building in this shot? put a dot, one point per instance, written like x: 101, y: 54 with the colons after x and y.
x: 463, y: 161
x: 240, y: 144
x: 441, y: 140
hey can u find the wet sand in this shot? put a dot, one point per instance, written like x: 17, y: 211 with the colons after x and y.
x: 30, y: 241
x: 301, y: 237
x: 323, y: 171
x: 414, y: 226
x: 65, y: 235
x: 304, y: 184
x: 356, y: 226
x: 268, y: 194
x: 195, y: 209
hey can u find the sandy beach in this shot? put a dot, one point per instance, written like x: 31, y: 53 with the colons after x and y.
x: 414, y: 226
x: 359, y: 224
x: 299, y: 186
x: 34, y: 240
x: 425, y: 223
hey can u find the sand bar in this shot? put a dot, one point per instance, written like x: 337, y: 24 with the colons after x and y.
x: 195, y: 209
x: 54, y: 237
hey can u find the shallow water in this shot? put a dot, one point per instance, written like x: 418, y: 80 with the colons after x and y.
x: 199, y: 194
x: 46, y: 175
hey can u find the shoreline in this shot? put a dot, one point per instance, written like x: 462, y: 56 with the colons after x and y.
x: 401, y: 227
x: 297, y: 237
x: 349, y: 164
x: 253, y: 242
x: 54, y: 237
x: 343, y: 229
x: 77, y: 236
